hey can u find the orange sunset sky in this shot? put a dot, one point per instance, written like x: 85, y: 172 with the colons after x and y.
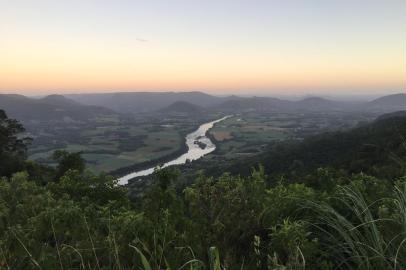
x: 268, y: 47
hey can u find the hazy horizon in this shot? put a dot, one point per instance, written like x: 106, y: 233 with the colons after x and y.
x: 289, y: 96
x: 292, y: 94
x: 228, y: 47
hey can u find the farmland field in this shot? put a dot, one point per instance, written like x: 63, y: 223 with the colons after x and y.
x: 110, y: 144
x: 239, y: 134
x: 249, y: 133
x: 115, y: 146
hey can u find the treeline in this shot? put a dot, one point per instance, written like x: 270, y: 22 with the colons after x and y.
x: 67, y: 218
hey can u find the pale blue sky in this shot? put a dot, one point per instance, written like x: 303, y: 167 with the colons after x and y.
x: 179, y: 44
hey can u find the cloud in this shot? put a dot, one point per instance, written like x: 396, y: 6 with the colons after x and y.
x: 141, y: 40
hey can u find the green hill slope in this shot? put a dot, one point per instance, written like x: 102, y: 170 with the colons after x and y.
x: 378, y: 148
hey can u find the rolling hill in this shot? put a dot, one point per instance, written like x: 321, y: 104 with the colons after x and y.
x: 388, y: 103
x: 135, y: 102
x: 89, y: 105
x: 53, y: 107
x: 253, y: 104
x: 182, y: 107
x: 379, y: 144
x: 276, y: 104
x: 322, y: 104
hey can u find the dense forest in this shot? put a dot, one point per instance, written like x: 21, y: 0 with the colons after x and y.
x: 333, y: 201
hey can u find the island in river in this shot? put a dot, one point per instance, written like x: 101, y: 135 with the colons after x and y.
x: 194, y: 142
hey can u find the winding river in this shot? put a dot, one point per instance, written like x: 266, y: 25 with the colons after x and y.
x: 198, y: 145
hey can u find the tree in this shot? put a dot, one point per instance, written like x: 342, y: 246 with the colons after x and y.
x: 13, y: 148
x: 68, y: 161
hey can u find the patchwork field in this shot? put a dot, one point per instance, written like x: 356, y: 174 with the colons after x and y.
x: 112, y: 143
x: 249, y: 133
x: 111, y: 146
x: 240, y: 135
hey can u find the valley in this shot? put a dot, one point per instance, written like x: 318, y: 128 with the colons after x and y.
x: 198, y: 145
x: 117, y: 141
x: 108, y: 144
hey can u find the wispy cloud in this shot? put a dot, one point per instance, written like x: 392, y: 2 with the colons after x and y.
x: 142, y: 40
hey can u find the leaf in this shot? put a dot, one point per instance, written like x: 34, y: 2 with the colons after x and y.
x: 144, y: 260
x: 214, y: 259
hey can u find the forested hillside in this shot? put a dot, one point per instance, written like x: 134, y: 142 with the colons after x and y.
x: 335, y: 201
x: 377, y: 148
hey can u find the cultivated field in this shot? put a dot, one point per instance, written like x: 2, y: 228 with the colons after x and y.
x: 109, y: 144
x: 249, y: 133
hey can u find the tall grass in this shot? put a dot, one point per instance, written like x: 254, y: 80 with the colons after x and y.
x: 356, y: 236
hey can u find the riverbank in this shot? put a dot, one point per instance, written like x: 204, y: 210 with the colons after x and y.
x: 183, y: 148
x: 147, y: 164
x: 193, y: 151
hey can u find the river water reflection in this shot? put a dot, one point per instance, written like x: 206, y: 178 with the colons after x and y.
x: 198, y: 145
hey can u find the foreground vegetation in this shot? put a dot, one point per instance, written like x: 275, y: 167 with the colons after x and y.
x: 65, y: 217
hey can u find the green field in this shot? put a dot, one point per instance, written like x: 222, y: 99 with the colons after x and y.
x: 112, y: 146
x: 246, y: 134
x: 250, y: 133
x: 108, y: 144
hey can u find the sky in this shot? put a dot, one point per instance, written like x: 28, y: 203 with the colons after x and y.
x: 217, y: 46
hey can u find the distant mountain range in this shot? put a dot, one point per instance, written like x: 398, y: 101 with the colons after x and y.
x: 183, y: 107
x: 318, y: 103
x: 135, y: 102
x: 389, y: 103
x: 52, y: 107
x: 253, y: 104
x: 87, y: 106
x: 384, y: 104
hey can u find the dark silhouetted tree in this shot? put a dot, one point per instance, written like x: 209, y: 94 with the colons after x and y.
x: 68, y: 161
x: 13, y: 148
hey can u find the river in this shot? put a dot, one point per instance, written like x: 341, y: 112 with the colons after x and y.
x: 194, y: 141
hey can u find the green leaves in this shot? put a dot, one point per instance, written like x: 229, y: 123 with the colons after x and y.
x: 144, y: 260
x: 13, y: 148
x: 86, y: 221
x: 68, y: 161
x: 214, y: 259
